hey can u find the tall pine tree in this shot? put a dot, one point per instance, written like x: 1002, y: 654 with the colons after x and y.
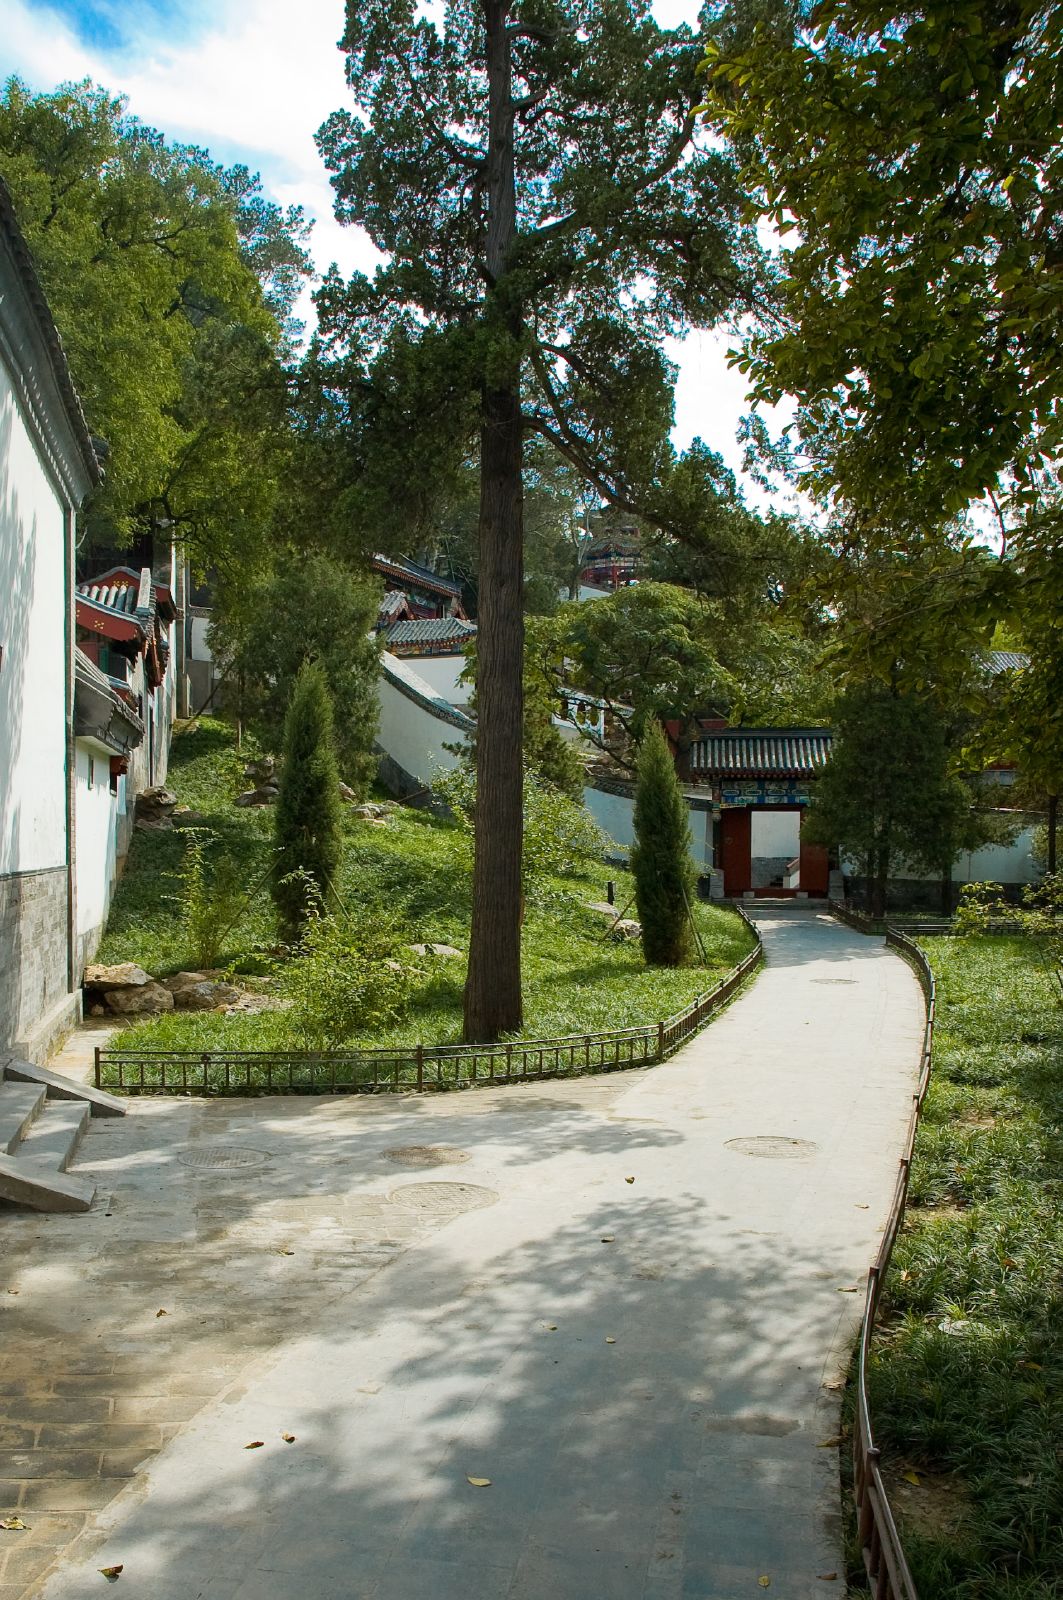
x: 551, y: 209
x: 307, y: 818
x: 660, y: 856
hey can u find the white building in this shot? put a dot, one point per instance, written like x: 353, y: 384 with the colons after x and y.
x: 47, y: 467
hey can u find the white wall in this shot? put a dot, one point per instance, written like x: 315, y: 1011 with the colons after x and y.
x: 441, y: 673
x: 614, y: 814
x: 33, y: 585
x: 96, y: 811
x: 994, y: 863
x: 775, y: 833
x: 200, y: 650
x: 412, y: 734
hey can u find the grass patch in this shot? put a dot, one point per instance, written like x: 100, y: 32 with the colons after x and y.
x: 419, y: 868
x: 967, y: 1371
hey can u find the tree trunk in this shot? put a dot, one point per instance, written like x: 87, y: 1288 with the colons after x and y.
x: 1053, y: 808
x: 492, y: 987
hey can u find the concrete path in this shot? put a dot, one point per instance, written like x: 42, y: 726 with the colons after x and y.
x: 646, y: 1371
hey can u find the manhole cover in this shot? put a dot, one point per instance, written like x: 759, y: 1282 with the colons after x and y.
x: 426, y: 1155
x: 773, y: 1147
x: 833, y: 980
x: 443, y: 1199
x: 223, y: 1158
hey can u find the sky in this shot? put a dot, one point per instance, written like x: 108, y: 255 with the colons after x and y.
x: 252, y: 80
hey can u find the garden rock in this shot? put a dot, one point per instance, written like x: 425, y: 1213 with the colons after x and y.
x: 126, y: 975
x: 371, y: 811
x: 263, y: 772
x: 625, y: 929
x: 265, y: 796
x: 435, y: 950
x: 197, y: 991
x: 251, y: 1004
x: 155, y: 807
x: 150, y: 999
x: 603, y: 908
x: 347, y: 794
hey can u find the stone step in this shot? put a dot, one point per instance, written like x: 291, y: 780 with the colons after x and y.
x: 51, y: 1143
x: 20, y: 1104
x: 24, y: 1184
x: 102, y: 1104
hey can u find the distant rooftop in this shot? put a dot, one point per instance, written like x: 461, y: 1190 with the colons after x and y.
x: 436, y: 635
x: 397, y: 568
x: 761, y: 753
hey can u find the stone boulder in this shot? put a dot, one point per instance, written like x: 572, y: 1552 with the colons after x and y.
x: 435, y: 950
x: 198, y: 991
x: 262, y: 773
x: 155, y: 807
x: 371, y: 811
x: 126, y: 975
x: 264, y: 796
x: 625, y: 929
x: 148, y: 1000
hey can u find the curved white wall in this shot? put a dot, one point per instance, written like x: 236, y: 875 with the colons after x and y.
x: 414, y: 725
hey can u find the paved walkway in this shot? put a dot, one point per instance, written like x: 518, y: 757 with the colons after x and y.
x: 646, y: 1371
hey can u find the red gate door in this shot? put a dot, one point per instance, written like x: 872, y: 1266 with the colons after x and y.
x: 815, y: 866
x: 736, y: 839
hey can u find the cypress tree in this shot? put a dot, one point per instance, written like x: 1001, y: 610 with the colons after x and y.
x: 660, y: 856
x: 307, y: 818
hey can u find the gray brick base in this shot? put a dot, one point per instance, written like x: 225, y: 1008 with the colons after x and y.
x: 33, y: 950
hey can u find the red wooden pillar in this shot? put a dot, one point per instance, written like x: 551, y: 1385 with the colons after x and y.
x: 815, y: 865
x: 736, y: 840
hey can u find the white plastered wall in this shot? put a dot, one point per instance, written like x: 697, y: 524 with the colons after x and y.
x: 96, y: 811
x: 441, y: 673
x: 411, y: 734
x: 33, y: 583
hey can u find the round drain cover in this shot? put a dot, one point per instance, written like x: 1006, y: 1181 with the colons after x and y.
x: 223, y: 1158
x: 426, y: 1155
x: 773, y: 1147
x: 443, y: 1199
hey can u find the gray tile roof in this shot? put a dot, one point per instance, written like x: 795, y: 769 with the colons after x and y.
x: 429, y: 630
x: 761, y: 752
x: 998, y: 661
x: 417, y: 577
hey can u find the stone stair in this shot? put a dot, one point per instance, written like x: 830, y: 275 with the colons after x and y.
x: 42, y: 1119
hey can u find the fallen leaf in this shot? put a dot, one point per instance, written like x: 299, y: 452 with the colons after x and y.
x: 1009, y: 1261
x: 850, y: 1288
x: 912, y: 1477
x: 478, y: 1483
x: 834, y: 1383
x: 284, y: 1252
x: 607, y: 1238
x: 827, y: 1577
x: 256, y: 1444
x: 861, y: 1205
x: 629, y: 1180
x: 831, y: 1443
x: 12, y: 1291
x: 1031, y: 1366
x: 289, y: 1438
x: 551, y: 1327
x: 609, y: 1339
x: 111, y: 1573
x: 159, y: 1314
x: 765, y: 1582
x: 13, y: 1522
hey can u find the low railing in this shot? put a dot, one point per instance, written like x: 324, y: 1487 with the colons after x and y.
x: 884, y: 1558
x: 413, y: 1068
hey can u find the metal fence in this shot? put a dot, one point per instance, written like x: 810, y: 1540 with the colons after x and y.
x: 884, y: 1559
x: 412, y: 1068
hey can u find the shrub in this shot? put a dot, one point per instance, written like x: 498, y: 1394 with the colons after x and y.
x: 211, y: 899
x: 349, y: 978
x: 307, y: 817
x: 660, y: 856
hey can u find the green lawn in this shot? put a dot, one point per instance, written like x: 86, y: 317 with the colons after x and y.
x: 967, y: 1375
x: 575, y: 980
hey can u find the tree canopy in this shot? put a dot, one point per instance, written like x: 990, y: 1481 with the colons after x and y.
x: 913, y: 161
x: 172, y: 282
